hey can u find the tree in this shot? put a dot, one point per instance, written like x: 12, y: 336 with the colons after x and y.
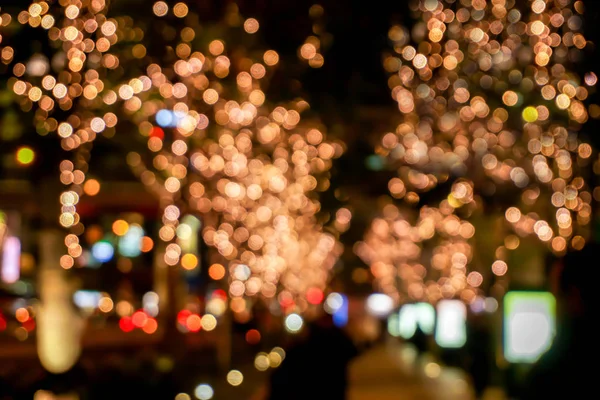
x: 192, y: 116
x: 489, y: 115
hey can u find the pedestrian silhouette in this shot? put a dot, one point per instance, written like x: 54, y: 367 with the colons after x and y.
x: 420, y: 340
x: 317, y: 366
x: 566, y: 370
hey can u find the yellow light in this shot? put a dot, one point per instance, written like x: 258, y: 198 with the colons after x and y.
x: 25, y: 156
x: 530, y: 114
x: 235, y: 378
x: 261, y: 362
x: 209, y: 322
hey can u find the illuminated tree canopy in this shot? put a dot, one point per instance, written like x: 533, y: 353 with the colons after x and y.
x: 490, y: 113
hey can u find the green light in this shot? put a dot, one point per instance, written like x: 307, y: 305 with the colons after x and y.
x: 530, y: 114
x: 375, y: 162
x: 25, y: 155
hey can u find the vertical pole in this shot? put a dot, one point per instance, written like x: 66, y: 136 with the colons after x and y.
x: 59, y: 327
x: 161, y: 278
x: 224, y: 344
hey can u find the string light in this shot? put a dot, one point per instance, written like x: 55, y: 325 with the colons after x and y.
x: 214, y: 145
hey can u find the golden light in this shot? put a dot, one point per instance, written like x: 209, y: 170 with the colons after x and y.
x: 120, y: 227
x: 251, y: 25
x: 91, y: 187
x: 209, y: 322
x: 160, y: 8
x: 105, y: 304
x: 235, y: 378
x: 189, y: 262
x: 216, y: 272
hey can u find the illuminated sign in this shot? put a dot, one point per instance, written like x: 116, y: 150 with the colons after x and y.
x: 415, y: 315
x: 529, y: 325
x: 451, y: 329
x: 11, y: 260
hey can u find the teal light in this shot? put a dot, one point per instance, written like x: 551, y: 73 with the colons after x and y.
x: 130, y: 244
x: 375, y: 162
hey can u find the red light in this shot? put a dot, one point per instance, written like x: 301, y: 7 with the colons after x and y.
x: 219, y: 293
x: 151, y: 326
x: 126, y: 324
x: 139, y: 319
x: 314, y: 296
x: 2, y: 324
x: 286, y: 302
x: 157, y: 132
x: 193, y: 323
x: 29, y: 325
x: 253, y: 336
x: 182, y: 316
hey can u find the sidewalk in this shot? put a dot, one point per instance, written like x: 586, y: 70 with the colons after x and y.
x: 385, y: 372
x: 392, y: 371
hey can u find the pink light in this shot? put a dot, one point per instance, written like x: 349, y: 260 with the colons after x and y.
x: 11, y: 260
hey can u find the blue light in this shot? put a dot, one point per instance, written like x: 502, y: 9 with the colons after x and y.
x: 129, y: 244
x: 103, y: 251
x: 164, y: 118
x: 169, y: 119
x: 340, y: 316
x: 87, y: 298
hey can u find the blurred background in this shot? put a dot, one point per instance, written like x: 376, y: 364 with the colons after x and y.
x: 186, y: 188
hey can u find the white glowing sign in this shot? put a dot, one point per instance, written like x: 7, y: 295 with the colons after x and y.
x: 393, y: 325
x: 11, y: 260
x: 529, y: 325
x: 411, y: 316
x: 451, y: 329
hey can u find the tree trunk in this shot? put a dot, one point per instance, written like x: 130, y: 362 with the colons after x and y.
x: 59, y: 327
